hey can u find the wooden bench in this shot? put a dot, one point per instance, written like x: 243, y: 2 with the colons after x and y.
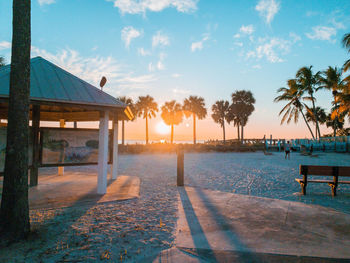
x: 318, y: 170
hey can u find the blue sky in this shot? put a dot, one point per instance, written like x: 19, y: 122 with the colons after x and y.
x: 173, y: 49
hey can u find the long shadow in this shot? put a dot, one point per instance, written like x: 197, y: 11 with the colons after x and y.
x: 242, y: 253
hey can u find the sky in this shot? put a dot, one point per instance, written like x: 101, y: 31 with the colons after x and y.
x: 171, y: 49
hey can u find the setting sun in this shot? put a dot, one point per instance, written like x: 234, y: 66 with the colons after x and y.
x: 162, y: 128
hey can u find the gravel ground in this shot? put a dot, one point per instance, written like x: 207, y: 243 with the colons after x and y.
x: 127, y: 231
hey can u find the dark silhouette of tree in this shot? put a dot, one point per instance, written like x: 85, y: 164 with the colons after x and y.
x: 2, y: 61
x: 14, y: 213
x: 243, y: 103
x: 129, y: 102
x: 195, y: 106
x: 307, y: 82
x: 346, y: 44
x: 233, y: 116
x: 220, y: 114
x: 293, y: 96
x: 146, y: 108
x: 172, y: 114
x: 336, y: 123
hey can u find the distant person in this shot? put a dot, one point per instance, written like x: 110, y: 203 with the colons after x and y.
x: 287, y: 150
x: 311, y: 149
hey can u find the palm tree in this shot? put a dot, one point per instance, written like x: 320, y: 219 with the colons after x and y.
x: 335, y: 123
x: 14, y: 212
x: 346, y: 44
x: 195, y: 106
x: 331, y: 79
x: 307, y: 82
x: 243, y: 101
x: 220, y: 114
x: 130, y: 104
x: 234, y: 116
x: 320, y: 113
x: 294, y: 106
x: 146, y: 108
x: 172, y: 114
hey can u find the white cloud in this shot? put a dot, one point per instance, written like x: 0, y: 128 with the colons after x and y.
x: 141, y: 6
x: 176, y: 75
x: 160, y: 65
x: 151, y: 67
x: 257, y: 66
x: 199, y: 44
x: 143, y: 52
x: 181, y: 91
x: 268, y: 9
x: 270, y: 49
x: 240, y: 44
x: 129, y: 33
x: 294, y: 37
x: 237, y: 35
x: 46, y: 2
x: 322, y: 33
x: 5, y: 45
x: 91, y: 69
x: 159, y: 39
x: 247, y: 29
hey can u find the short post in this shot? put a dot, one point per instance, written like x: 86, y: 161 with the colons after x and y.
x: 180, y: 166
x: 61, y: 168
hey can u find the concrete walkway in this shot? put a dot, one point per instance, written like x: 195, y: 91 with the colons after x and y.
x: 77, y: 186
x: 224, y: 227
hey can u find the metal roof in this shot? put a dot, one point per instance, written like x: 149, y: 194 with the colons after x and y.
x: 50, y: 83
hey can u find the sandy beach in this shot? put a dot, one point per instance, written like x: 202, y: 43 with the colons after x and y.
x: 127, y: 231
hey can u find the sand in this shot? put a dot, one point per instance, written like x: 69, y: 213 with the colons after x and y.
x: 127, y: 231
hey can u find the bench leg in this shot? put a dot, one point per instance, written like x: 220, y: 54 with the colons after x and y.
x: 334, y: 189
x: 303, y: 188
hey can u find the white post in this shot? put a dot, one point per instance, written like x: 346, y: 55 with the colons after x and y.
x: 61, y: 168
x: 103, y: 154
x: 115, y: 148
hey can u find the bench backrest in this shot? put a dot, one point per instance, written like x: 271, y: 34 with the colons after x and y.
x: 324, y: 170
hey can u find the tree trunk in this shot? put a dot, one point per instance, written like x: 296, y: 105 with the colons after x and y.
x: 14, y: 213
x: 316, y: 117
x: 223, y: 132
x: 194, y: 128
x: 307, y: 124
x: 146, y: 129
x: 238, y: 136
x: 123, y: 139
x: 172, y: 133
x: 242, y: 133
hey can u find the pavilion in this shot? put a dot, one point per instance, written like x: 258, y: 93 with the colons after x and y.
x: 57, y: 95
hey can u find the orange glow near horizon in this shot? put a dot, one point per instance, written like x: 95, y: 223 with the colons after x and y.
x: 162, y: 128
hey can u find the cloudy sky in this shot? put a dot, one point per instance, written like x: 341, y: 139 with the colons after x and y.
x: 171, y: 49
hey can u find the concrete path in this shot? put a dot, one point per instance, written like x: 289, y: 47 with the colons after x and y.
x: 224, y: 227
x: 76, y: 187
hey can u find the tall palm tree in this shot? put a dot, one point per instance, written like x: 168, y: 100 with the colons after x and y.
x: 195, y: 106
x: 346, y: 44
x: 146, y: 108
x: 307, y: 82
x: 243, y: 101
x: 172, y: 114
x: 220, y: 114
x: 14, y: 212
x: 331, y: 79
x: 292, y: 95
x: 335, y: 123
x: 233, y: 116
x: 128, y: 101
x: 320, y: 113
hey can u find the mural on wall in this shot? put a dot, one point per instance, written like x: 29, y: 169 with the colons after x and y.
x: 3, y: 135
x: 62, y: 146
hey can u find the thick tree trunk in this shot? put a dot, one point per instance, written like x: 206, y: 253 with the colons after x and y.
x: 172, y: 133
x: 307, y: 124
x: 194, y: 128
x: 223, y: 132
x: 14, y: 216
x: 123, y: 132
x: 146, y: 129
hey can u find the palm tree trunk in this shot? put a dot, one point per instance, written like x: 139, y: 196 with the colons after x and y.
x: 223, y: 132
x: 316, y: 118
x: 146, y: 129
x: 172, y: 133
x: 242, y: 133
x: 307, y: 124
x: 194, y: 128
x: 238, y: 136
x: 14, y: 213
x: 123, y: 129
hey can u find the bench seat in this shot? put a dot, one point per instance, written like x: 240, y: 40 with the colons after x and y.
x: 321, y: 181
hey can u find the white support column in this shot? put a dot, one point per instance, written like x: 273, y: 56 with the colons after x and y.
x: 61, y: 168
x: 103, y: 153
x: 115, y: 148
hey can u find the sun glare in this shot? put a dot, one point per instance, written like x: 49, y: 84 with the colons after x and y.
x: 162, y: 128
